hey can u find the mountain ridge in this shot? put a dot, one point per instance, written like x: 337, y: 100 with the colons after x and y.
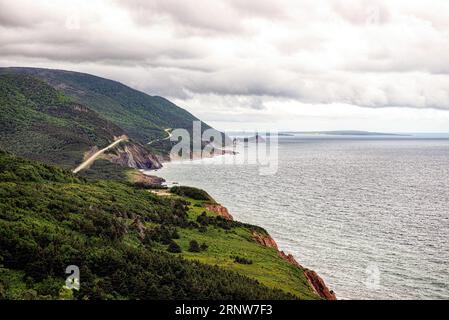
x: 129, y: 243
x: 143, y: 117
x: 103, y: 216
x: 104, y: 103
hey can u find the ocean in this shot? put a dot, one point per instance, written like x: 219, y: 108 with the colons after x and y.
x: 369, y: 214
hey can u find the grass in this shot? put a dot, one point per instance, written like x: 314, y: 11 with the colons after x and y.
x: 268, y: 268
x: 103, y: 169
x: 50, y: 218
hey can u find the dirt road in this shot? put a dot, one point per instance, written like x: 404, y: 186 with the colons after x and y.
x: 92, y: 158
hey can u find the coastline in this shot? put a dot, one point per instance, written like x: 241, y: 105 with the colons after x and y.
x: 316, y: 283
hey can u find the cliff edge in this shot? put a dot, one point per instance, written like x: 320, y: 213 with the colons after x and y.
x: 315, y: 281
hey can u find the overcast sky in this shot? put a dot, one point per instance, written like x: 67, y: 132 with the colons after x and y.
x: 285, y: 64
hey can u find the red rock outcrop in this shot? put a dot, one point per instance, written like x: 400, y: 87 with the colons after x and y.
x: 220, y: 210
x: 315, y: 281
x: 290, y: 259
x: 265, y: 240
x: 319, y: 286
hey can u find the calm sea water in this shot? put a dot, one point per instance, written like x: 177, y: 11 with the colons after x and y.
x: 370, y: 215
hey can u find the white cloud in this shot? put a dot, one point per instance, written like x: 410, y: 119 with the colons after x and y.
x: 245, y: 54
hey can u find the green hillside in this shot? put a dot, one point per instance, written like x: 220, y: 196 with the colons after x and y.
x: 128, y: 243
x: 131, y: 241
x: 61, y: 117
x: 41, y: 123
x: 141, y: 116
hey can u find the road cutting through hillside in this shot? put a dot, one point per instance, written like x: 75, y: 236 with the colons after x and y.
x: 92, y: 158
x: 166, y: 138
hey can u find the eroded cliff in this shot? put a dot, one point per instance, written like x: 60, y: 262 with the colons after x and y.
x: 315, y: 281
x: 133, y: 155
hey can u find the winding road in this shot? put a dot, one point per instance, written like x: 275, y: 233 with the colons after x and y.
x: 92, y: 158
x: 166, y: 138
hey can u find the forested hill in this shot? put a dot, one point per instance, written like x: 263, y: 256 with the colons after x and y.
x: 130, y: 240
x: 60, y: 117
x: 41, y: 123
x: 141, y: 116
x: 127, y: 242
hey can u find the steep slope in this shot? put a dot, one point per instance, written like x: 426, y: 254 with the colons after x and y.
x: 41, y: 123
x: 118, y: 235
x: 63, y: 117
x: 142, y: 117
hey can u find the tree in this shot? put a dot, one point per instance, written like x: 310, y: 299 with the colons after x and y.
x: 173, y: 247
x: 194, y: 246
x: 204, y: 246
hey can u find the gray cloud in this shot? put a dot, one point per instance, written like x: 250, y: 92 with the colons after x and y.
x: 17, y: 15
x: 203, y: 17
x: 369, y: 54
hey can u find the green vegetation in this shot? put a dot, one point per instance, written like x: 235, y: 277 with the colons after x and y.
x: 191, y: 192
x: 173, y: 247
x: 57, y: 117
x: 40, y: 123
x: 241, y: 260
x: 224, y: 244
x: 194, y: 246
x: 119, y: 236
x: 103, y: 169
x: 128, y: 242
x: 142, y: 117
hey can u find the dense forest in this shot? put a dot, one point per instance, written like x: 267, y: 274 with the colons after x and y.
x: 117, y: 234
x: 58, y: 117
x: 41, y: 123
x: 141, y: 116
x: 129, y: 240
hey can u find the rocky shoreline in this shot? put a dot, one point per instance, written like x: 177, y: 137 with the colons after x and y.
x: 315, y: 281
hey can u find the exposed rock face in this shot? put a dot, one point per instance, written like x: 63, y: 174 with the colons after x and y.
x: 319, y: 286
x: 315, y: 281
x: 148, y: 179
x: 220, y: 210
x: 265, y: 240
x: 290, y: 258
x: 133, y: 155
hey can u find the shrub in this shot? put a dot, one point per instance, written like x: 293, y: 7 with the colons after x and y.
x: 161, y: 234
x: 173, y: 247
x: 204, y: 246
x: 241, y: 260
x: 190, y: 192
x: 203, y: 219
x: 45, y: 227
x: 194, y: 246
